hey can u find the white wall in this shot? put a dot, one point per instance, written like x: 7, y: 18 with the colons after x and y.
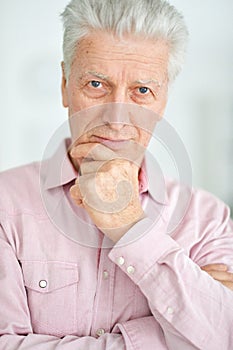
x: 200, y: 105
x: 31, y: 36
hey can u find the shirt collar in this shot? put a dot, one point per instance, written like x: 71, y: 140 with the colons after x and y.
x: 60, y: 171
x: 151, y: 179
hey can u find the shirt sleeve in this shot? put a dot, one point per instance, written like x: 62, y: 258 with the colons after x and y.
x: 194, y: 310
x: 16, y: 332
x: 143, y: 334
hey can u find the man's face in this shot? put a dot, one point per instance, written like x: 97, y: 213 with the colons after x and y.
x: 109, y: 70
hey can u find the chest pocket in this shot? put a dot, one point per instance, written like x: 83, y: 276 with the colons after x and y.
x: 52, y: 289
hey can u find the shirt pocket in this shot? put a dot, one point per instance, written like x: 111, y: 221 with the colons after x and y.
x: 52, y: 289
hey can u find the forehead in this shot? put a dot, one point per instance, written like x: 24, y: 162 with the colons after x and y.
x: 104, y: 53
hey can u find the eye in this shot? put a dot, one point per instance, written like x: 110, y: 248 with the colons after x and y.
x: 95, y: 83
x: 95, y: 88
x: 143, y: 90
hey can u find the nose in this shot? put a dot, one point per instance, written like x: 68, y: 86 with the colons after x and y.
x: 116, y: 115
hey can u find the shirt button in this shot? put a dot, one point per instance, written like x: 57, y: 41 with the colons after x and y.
x: 100, y: 332
x: 121, y: 261
x: 43, y: 284
x: 130, y: 270
x: 170, y: 310
x: 105, y: 275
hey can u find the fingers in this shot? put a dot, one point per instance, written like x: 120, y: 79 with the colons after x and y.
x: 134, y: 152
x: 93, y: 151
x: 219, y: 273
x: 76, y: 195
x: 228, y: 285
x: 221, y: 276
x: 214, y: 267
x: 94, y: 158
x: 90, y: 167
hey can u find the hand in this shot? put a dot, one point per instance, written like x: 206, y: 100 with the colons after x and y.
x: 107, y: 188
x: 219, y: 273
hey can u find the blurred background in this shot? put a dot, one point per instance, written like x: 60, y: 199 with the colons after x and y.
x: 200, y: 105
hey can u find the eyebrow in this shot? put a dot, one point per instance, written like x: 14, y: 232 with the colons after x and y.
x: 148, y: 81
x: 140, y: 81
x: 98, y: 75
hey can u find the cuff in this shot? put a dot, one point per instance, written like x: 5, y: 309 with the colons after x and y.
x: 143, y: 245
x: 142, y: 334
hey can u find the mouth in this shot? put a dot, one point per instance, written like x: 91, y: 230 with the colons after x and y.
x: 113, y: 144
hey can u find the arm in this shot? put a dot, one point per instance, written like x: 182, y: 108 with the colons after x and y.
x: 194, y: 310
x: 16, y: 332
x: 43, y: 342
x: 220, y: 273
x: 143, y: 334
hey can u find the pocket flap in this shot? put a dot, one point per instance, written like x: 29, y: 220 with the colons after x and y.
x: 47, y: 276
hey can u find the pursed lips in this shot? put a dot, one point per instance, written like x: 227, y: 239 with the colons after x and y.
x: 113, y: 143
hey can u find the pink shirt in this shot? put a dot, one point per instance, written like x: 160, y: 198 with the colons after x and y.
x: 64, y: 285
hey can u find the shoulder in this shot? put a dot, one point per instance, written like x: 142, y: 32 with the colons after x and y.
x: 20, y: 188
x: 22, y: 171
x: 195, y: 204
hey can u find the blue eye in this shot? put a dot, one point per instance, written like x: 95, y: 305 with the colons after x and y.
x: 95, y: 83
x: 143, y: 90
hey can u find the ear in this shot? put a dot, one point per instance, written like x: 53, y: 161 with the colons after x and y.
x: 64, y: 87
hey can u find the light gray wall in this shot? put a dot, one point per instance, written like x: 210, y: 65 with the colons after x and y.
x: 200, y: 105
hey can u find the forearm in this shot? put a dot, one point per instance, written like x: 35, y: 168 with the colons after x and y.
x: 16, y: 330
x: 138, y: 334
x: 190, y: 306
x: 46, y: 342
x: 143, y: 334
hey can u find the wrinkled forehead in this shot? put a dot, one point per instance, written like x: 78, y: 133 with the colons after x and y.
x: 105, y: 43
x: 102, y: 53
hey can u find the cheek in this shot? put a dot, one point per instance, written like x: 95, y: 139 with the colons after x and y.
x: 78, y: 101
x: 75, y: 102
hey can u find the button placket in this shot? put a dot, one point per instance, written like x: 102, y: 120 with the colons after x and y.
x: 100, y: 332
x: 105, y: 275
x: 104, y: 295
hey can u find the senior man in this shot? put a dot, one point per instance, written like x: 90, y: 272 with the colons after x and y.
x: 85, y: 265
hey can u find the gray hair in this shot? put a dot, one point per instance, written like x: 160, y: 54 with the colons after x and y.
x: 155, y: 19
